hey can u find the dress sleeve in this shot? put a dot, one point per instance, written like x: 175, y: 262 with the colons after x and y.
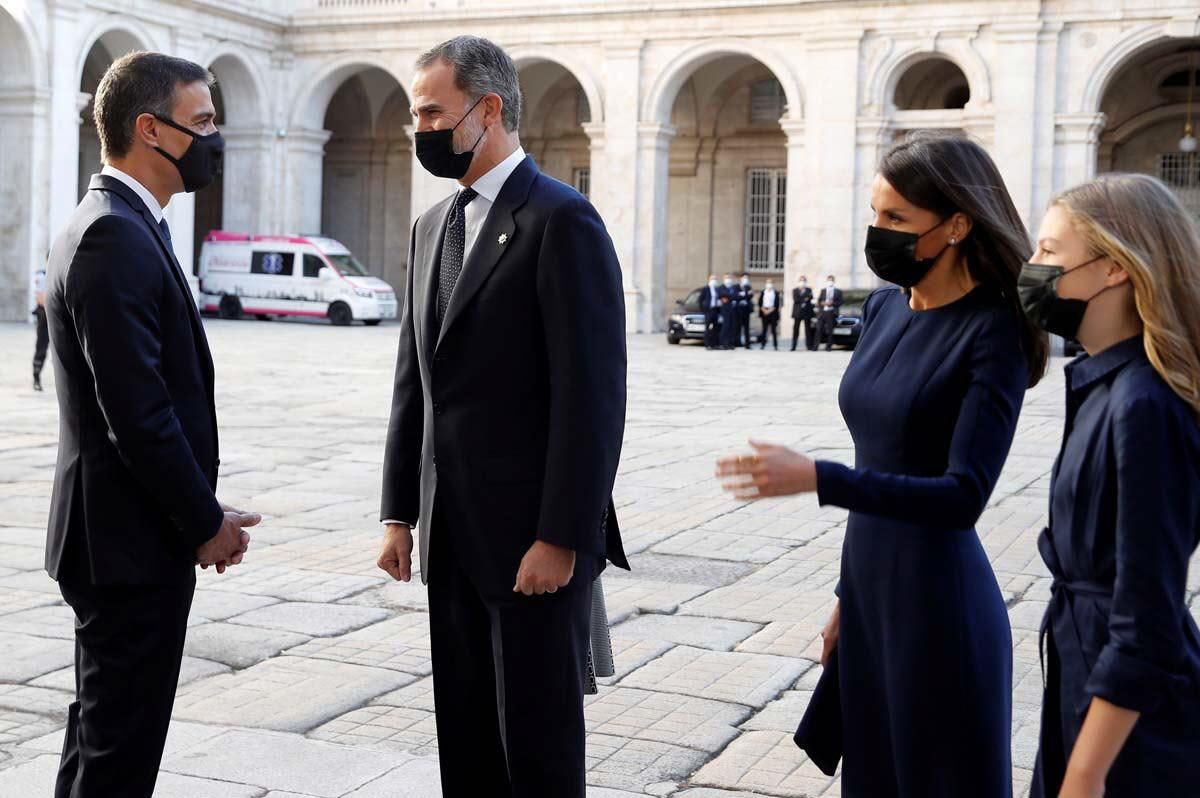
x: 1156, y: 526
x: 982, y: 437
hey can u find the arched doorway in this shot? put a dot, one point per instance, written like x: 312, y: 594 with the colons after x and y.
x: 367, y: 172
x: 930, y: 92
x: 22, y: 256
x: 728, y: 176
x: 1146, y: 113
x: 556, y: 108
x: 106, y: 49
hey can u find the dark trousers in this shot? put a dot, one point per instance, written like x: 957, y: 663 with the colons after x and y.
x: 743, y: 338
x: 825, y: 324
x: 43, y: 341
x: 507, y: 684
x: 729, y: 326
x: 128, y: 648
x: 770, y: 324
x: 712, y: 327
x: 809, y: 334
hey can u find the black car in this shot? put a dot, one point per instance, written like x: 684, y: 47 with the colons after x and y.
x: 688, y: 319
x: 849, y: 320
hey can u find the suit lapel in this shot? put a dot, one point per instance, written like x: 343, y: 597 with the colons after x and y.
x: 432, y: 232
x: 495, y: 236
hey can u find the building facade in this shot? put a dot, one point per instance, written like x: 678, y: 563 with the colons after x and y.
x: 712, y: 135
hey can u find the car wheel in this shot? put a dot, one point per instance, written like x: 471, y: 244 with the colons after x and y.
x: 230, y: 307
x: 372, y: 322
x: 340, y: 314
x: 672, y: 338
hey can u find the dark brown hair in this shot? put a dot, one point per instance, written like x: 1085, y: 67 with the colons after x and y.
x: 139, y: 83
x: 949, y: 173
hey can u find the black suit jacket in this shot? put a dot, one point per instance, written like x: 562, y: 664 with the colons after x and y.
x: 836, y: 299
x: 710, y: 300
x: 511, y: 416
x: 802, y: 303
x: 137, y: 454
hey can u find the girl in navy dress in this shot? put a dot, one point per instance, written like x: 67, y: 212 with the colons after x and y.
x: 931, y: 398
x: 1117, y: 266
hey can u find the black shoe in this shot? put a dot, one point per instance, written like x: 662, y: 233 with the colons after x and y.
x: 37, y: 382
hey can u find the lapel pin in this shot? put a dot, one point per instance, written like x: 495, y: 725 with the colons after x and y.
x: 503, y: 239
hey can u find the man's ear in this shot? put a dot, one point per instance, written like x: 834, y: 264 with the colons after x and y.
x: 145, y: 128
x: 493, y: 109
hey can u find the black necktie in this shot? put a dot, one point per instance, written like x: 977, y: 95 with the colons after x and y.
x: 452, y: 250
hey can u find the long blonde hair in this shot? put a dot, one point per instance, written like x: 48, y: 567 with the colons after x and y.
x: 1137, y: 222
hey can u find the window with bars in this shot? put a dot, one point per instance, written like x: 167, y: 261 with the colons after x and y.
x: 767, y: 102
x: 581, y: 178
x: 766, y: 198
x: 1181, y: 171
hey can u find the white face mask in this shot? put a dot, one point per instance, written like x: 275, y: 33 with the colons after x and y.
x: 712, y: 283
x: 745, y: 281
x: 830, y: 284
x: 729, y: 283
x: 770, y: 286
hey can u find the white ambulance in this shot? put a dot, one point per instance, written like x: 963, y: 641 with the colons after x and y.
x: 268, y: 276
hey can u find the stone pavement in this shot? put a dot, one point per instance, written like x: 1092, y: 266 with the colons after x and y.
x: 308, y: 672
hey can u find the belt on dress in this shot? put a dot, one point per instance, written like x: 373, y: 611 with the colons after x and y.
x: 1060, y: 588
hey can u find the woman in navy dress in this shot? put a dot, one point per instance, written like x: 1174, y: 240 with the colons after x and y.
x: 1118, y: 267
x: 931, y: 398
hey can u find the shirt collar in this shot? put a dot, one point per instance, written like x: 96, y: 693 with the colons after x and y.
x: 488, y: 186
x: 143, y: 193
x: 1085, y: 371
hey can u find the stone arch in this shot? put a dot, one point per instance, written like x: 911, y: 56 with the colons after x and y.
x: 881, y: 88
x: 1128, y: 48
x: 660, y: 99
x: 242, y: 87
x: 120, y: 35
x: 528, y: 56
x: 309, y: 112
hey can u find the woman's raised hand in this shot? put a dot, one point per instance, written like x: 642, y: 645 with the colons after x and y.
x: 771, y: 471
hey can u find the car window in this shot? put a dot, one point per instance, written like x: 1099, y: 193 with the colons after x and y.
x: 692, y: 303
x: 275, y: 263
x: 313, y: 266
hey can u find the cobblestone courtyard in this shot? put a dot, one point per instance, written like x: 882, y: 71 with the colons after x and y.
x: 308, y: 671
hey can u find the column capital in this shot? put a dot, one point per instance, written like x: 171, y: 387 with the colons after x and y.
x: 1027, y: 31
x: 624, y: 48
x: 655, y: 134
x: 595, y: 132
x: 81, y: 101
x: 1081, y: 128
x: 793, y: 129
x: 307, y: 140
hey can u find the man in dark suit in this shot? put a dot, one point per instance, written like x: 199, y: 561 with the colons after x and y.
x: 710, y: 303
x: 503, y: 448
x: 728, y: 309
x: 770, y: 303
x: 743, y: 297
x: 830, y: 303
x: 133, y: 509
x: 802, y: 313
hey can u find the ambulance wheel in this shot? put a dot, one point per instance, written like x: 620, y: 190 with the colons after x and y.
x: 372, y: 322
x: 340, y: 314
x: 263, y: 316
x: 231, y: 307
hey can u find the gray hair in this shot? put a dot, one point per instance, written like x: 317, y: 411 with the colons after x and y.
x: 480, y: 67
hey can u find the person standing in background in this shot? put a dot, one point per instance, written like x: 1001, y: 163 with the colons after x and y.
x: 830, y: 302
x: 770, y: 302
x: 42, y: 345
x: 744, y: 297
x: 710, y: 303
x: 729, y: 313
x: 802, y: 313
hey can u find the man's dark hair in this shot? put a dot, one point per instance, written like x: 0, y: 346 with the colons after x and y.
x: 480, y: 67
x: 139, y: 83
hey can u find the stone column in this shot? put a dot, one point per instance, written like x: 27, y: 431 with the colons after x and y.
x: 799, y: 194
x: 65, y: 107
x: 650, y: 232
x: 304, y: 165
x: 1076, y: 143
x: 830, y: 155
x: 596, y: 143
x: 1015, y: 107
x: 247, y: 150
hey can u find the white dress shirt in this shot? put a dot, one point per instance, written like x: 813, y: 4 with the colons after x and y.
x: 488, y: 188
x: 768, y: 299
x: 143, y: 193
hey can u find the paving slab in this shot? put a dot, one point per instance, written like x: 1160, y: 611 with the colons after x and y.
x: 312, y: 620
x: 238, y: 646
x: 748, y: 679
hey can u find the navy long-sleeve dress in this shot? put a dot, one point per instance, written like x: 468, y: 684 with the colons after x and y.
x: 1124, y: 521
x: 931, y: 399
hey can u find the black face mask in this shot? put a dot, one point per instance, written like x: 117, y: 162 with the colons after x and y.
x: 435, y: 150
x: 892, y: 255
x: 1038, y: 288
x: 201, y: 162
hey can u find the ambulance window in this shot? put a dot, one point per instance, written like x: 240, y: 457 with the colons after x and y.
x: 313, y: 266
x: 278, y: 263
